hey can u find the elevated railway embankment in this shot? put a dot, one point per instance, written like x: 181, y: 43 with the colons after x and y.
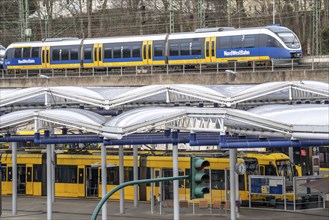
x: 202, y: 78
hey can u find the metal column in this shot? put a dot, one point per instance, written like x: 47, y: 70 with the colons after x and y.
x: 104, y: 180
x: 135, y: 153
x: 232, y: 183
x: 14, y: 177
x: 152, y: 191
x: 176, y: 182
x: 52, y: 172
x: 49, y: 183
x: 121, y: 180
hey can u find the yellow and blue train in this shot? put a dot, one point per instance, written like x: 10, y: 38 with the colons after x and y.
x: 78, y: 175
x: 204, y: 46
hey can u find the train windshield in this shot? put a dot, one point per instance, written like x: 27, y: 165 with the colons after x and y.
x: 284, y: 168
x: 289, y: 39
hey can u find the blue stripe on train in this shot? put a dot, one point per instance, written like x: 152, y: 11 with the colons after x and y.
x: 23, y: 62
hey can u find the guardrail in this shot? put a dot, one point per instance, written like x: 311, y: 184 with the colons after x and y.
x: 227, y: 67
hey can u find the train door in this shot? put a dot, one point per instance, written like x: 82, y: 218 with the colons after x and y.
x: 91, y: 181
x: 147, y: 53
x: 167, y: 186
x: 46, y: 57
x: 21, y: 179
x: 98, y: 55
x: 212, y: 49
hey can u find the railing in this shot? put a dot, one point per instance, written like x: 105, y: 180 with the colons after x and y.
x: 227, y: 67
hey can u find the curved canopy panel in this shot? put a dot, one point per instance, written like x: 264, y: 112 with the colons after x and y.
x: 71, y: 118
x: 225, y: 95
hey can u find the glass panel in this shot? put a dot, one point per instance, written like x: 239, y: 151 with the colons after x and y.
x: 74, y: 54
x: 173, y: 50
x: 37, y: 173
x: 196, y: 48
x: 185, y: 49
x: 224, y: 43
x: 237, y: 41
x: 249, y: 41
x: 107, y: 53
x: 126, y: 52
x: 65, y: 54
x: 112, y: 175
x: 87, y: 54
x: 55, y: 55
x: 18, y: 53
x: 136, y: 51
x: 3, y: 172
x: 158, y: 50
x: 66, y: 174
x: 35, y: 52
x: 26, y: 52
x: 117, y: 52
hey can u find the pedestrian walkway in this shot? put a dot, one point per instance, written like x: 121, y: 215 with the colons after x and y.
x: 35, y: 208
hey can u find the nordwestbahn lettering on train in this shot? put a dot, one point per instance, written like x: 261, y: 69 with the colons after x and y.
x: 210, y: 45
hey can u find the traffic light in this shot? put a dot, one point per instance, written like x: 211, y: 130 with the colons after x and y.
x: 197, y: 177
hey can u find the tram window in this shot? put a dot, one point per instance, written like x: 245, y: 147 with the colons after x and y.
x: 173, y: 50
x: 136, y: 51
x: 270, y: 170
x: 107, y: 53
x: 3, y: 172
x: 249, y: 41
x: 10, y: 174
x: 26, y: 52
x: 66, y: 174
x: 117, y: 52
x: 37, y: 173
x: 65, y: 54
x: 237, y: 41
x: 87, y: 54
x: 35, y: 52
x: 224, y: 42
x: 185, y: 49
x: 74, y: 52
x: 55, y: 54
x: 18, y: 53
x: 81, y: 175
x: 241, y: 182
x: 158, y: 50
x: 112, y: 175
x: 218, y: 179
x: 29, y: 174
x: 128, y: 174
x: 196, y: 48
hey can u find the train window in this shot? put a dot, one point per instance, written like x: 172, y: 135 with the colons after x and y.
x: 185, y: 49
x: 249, y: 41
x: 65, y: 54
x: 18, y: 53
x: 81, y: 175
x: 158, y: 50
x: 55, y: 54
x: 272, y: 42
x: 117, y: 52
x: 10, y: 174
x: 136, y: 50
x: 35, y: 52
x: 126, y: 52
x: 3, y: 172
x: 270, y: 170
x: 112, y: 175
x: 173, y: 50
x: 74, y: 52
x: 237, y: 41
x: 107, y: 53
x: 87, y: 53
x: 66, y: 174
x: 26, y: 52
x: 224, y: 43
x: 196, y: 48
x: 37, y: 173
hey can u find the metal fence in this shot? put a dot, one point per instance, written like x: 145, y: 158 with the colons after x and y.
x: 227, y: 67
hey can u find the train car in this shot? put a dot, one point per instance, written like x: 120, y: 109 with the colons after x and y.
x: 79, y: 175
x: 211, y: 46
x: 2, y: 56
x: 49, y: 54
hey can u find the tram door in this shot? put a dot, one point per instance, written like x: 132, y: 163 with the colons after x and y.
x: 21, y: 179
x: 91, y: 181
